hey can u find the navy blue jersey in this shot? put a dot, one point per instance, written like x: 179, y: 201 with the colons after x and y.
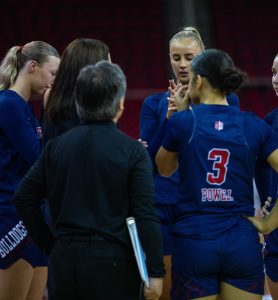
x: 20, y: 141
x: 267, y: 184
x: 266, y: 177
x: 153, y: 112
x: 218, y: 147
x: 20, y: 144
x: 152, y: 116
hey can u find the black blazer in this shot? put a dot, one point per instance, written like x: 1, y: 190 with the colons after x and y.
x: 94, y: 177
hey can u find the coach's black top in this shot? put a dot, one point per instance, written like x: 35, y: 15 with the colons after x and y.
x: 51, y: 130
x: 94, y: 177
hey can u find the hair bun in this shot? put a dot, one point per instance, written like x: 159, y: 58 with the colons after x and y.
x: 232, y: 79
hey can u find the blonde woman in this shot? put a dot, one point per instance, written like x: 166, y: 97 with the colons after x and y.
x: 25, y: 70
x: 156, y: 109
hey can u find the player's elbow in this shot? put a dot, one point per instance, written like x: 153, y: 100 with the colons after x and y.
x: 164, y: 171
x: 166, y: 162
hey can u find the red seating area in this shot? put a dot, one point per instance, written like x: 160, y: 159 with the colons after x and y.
x: 134, y: 31
x: 247, y: 30
x: 258, y: 100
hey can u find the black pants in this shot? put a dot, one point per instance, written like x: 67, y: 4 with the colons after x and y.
x: 88, y: 269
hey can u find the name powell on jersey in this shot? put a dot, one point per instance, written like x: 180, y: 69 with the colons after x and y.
x: 216, y: 195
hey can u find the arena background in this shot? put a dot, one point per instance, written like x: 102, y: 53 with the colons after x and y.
x: 138, y: 32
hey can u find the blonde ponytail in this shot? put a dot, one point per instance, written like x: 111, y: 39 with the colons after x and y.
x: 9, y: 68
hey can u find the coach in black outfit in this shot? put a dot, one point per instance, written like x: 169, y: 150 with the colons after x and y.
x: 94, y: 177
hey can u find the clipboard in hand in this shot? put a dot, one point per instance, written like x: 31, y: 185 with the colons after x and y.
x: 138, y: 250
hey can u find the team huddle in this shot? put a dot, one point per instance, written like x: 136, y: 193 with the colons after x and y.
x: 189, y: 184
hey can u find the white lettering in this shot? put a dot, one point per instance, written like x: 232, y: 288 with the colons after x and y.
x: 14, y: 236
x: 4, y: 246
x: 10, y: 243
x: 2, y: 253
x: 22, y: 228
x: 12, y: 239
x: 18, y: 233
x: 215, y: 195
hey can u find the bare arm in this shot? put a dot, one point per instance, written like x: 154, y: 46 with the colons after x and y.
x: 166, y: 161
x: 267, y: 224
x: 273, y: 160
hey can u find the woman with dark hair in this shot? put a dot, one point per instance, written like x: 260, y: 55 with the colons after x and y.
x: 25, y: 70
x: 60, y: 112
x: 214, y: 147
x: 156, y: 109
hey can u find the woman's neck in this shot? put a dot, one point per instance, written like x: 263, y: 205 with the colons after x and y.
x: 220, y: 101
x: 213, y: 98
x: 20, y: 88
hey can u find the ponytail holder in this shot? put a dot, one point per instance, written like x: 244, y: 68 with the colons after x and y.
x: 20, y: 49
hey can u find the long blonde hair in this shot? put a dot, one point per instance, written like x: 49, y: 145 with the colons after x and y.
x: 17, y: 57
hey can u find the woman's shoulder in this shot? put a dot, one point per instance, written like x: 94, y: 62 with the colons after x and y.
x: 8, y: 95
x: 272, y: 116
x: 182, y: 117
x: 11, y: 100
x: 255, y: 124
x: 157, y: 98
x: 233, y: 100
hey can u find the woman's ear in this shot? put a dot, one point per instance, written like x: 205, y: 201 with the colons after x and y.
x: 32, y: 66
x: 120, y: 111
x: 199, y: 82
x: 121, y: 105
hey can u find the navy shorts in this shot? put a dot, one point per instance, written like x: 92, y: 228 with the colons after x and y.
x: 271, y: 267
x: 234, y: 257
x: 16, y: 244
x: 271, y: 255
x: 27, y: 251
x: 164, y: 215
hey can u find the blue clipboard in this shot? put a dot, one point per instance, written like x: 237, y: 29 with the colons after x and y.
x: 138, y: 250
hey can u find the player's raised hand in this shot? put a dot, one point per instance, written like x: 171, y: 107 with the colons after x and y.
x: 181, y: 97
x: 172, y: 87
x: 171, y: 101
